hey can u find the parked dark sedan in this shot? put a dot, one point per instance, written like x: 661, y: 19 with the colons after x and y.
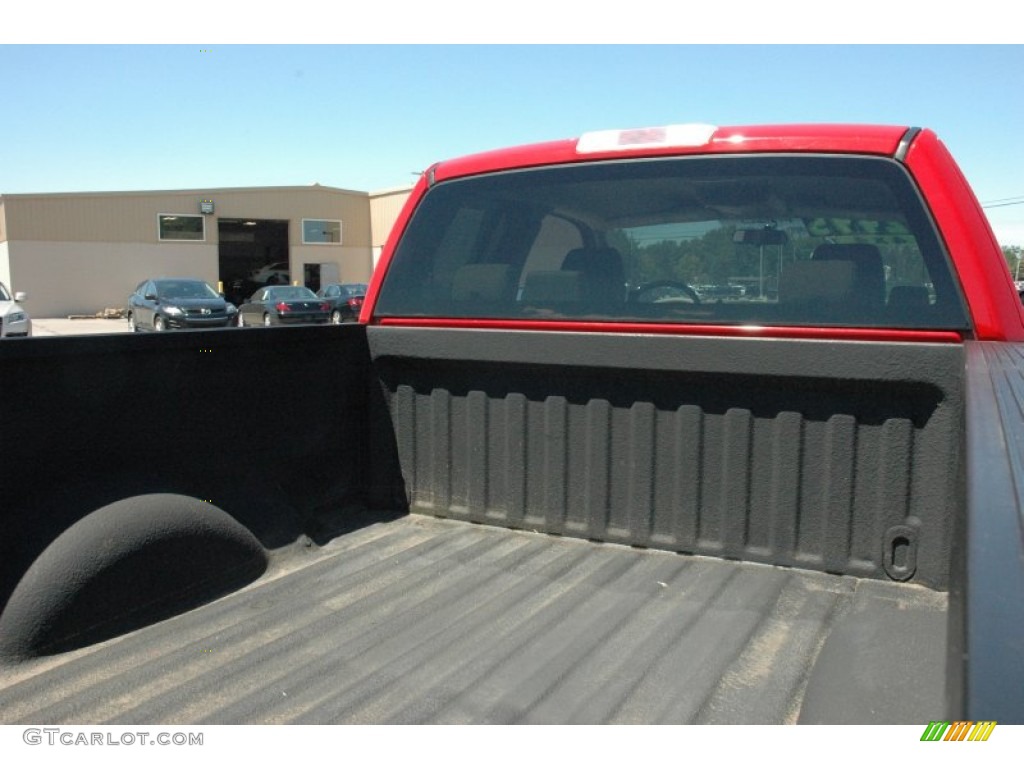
x: 178, y: 302
x: 283, y: 304
x: 346, y: 300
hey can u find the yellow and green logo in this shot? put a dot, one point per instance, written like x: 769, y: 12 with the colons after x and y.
x: 964, y: 730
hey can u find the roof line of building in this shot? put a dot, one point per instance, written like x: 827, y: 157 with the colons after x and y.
x: 202, y: 191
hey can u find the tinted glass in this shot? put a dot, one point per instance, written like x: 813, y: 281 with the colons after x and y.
x: 290, y: 293
x: 766, y: 240
x: 185, y: 289
x: 321, y: 231
x: 182, y: 227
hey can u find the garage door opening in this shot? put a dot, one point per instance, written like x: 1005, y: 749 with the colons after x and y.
x: 252, y: 253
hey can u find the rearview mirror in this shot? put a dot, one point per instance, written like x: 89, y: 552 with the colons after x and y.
x: 763, y: 236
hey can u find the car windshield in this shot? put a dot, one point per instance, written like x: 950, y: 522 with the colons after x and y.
x: 185, y: 289
x: 290, y: 293
x: 354, y: 289
x: 4, y: 295
x: 773, y: 240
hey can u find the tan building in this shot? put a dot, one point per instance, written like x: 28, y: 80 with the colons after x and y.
x: 83, y: 252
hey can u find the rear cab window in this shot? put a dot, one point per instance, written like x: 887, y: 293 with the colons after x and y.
x: 767, y: 240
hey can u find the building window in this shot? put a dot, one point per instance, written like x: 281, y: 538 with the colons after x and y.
x: 321, y: 231
x: 181, y: 226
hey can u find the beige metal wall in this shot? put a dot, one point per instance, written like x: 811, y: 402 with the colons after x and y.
x: 5, y: 270
x: 385, y: 208
x: 131, y: 217
x: 64, y: 278
x: 90, y: 218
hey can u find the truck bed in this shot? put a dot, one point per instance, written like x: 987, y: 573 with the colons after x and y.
x: 426, y: 620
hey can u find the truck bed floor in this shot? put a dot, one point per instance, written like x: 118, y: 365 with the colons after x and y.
x: 421, y: 620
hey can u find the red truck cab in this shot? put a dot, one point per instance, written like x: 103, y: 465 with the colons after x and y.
x: 952, y: 228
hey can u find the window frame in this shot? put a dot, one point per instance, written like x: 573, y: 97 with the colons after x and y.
x: 159, y: 228
x: 323, y: 242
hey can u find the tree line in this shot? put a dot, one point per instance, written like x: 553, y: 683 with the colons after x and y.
x: 1014, y: 254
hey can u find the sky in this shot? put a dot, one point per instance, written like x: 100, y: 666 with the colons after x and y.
x: 90, y: 115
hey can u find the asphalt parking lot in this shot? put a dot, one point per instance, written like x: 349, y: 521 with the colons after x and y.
x: 60, y: 326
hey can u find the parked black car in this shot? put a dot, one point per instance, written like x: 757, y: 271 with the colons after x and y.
x: 178, y: 302
x: 346, y: 300
x: 283, y: 304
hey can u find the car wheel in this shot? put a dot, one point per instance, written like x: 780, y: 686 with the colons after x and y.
x: 266, y: 321
x: 131, y: 323
x: 159, y: 324
x: 336, y: 317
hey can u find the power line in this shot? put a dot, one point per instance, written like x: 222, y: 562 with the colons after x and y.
x: 1004, y: 199
x: 1016, y: 200
x: 1003, y: 205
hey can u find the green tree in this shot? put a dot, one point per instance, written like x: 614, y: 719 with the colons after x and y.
x: 1013, y: 255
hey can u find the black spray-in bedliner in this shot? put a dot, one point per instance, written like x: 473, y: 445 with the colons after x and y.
x: 830, y: 456
x: 420, y: 620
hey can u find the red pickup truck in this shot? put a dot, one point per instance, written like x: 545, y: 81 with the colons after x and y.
x: 673, y: 425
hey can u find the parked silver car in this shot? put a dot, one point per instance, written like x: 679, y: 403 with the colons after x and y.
x: 14, y: 320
